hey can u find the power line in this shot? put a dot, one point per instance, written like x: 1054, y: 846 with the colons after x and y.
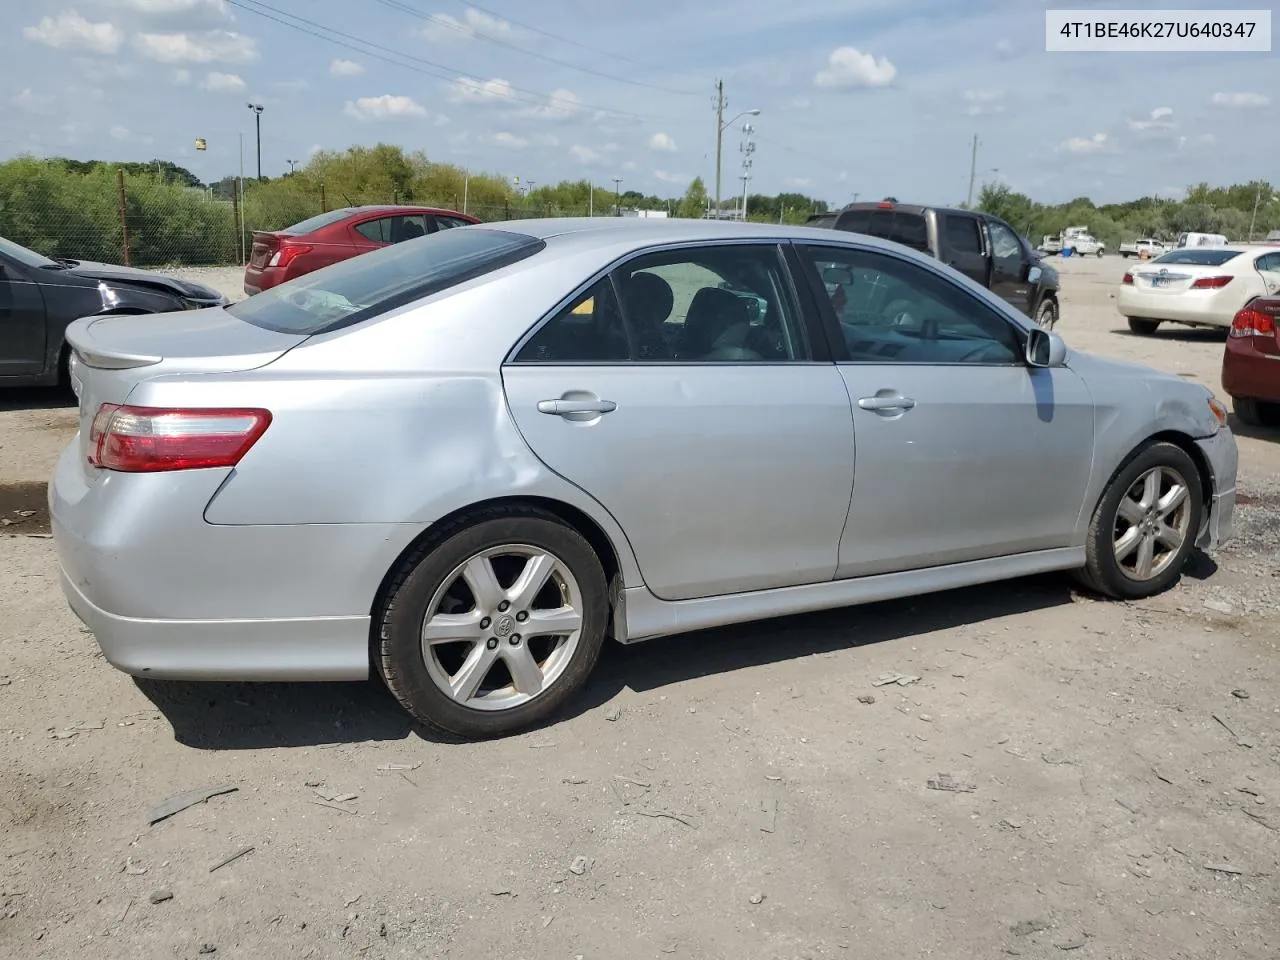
x: 459, y: 28
x: 584, y: 46
x: 430, y: 67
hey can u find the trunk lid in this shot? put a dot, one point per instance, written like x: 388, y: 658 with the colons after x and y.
x: 113, y: 354
x: 1174, y: 278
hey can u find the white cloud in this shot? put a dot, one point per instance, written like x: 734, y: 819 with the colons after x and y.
x: 544, y: 140
x: 70, y: 31
x: 210, y: 46
x: 1004, y: 49
x: 510, y: 140
x: 585, y: 155
x: 386, y: 107
x: 984, y: 102
x: 222, y: 83
x: 291, y: 86
x: 662, y: 141
x: 182, y: 76
x: 344, y: 68
x: 848, y: 67
x: 471, y: 90
x: 31, y: 101
x: 1158, y: 119
x: 801, y: 103
x: 1202, y: 140
x: 474, y: 23
x: 797, y: 182
x: 119, y: 133
x: 561, y: 105
x: 1098, y: 143
x: 162, y: 7
x: 668, y: 177
x: 1241, y: 99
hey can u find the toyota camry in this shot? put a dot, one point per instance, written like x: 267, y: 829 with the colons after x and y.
x: 465, y: 461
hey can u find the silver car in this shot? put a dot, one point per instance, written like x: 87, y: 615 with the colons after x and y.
x: 466, y: 460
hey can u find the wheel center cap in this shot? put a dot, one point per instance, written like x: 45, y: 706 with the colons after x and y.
x: 504, y: 626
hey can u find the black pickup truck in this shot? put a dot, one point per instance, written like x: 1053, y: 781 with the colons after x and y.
x: 981, y: 246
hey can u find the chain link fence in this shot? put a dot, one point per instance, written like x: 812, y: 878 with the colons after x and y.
x: 142, y: 221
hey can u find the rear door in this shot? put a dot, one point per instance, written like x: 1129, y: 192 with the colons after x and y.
x: 711, y: 424
x: 22, y: 322
x: 964, y: 452
x: 961, y: 245
x: 1009, y: 265
x: 1268, y: 267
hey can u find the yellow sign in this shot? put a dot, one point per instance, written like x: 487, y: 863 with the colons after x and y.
x: 201, y: 144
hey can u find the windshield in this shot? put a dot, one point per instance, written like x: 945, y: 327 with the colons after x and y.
x: 1201, y: 257
x: 374, y: 283
x: 24, y: 256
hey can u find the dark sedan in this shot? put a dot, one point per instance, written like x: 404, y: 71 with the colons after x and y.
x: 39, y: 297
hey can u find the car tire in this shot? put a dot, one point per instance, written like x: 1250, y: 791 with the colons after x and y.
x: 1256, y: 413
x: 1047, y: 314
x: 431, y: 682
x: 1142, y: 326
x: 1099, y: 253
x: 1129, y: 551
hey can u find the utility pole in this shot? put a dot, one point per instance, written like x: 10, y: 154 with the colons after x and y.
x: 292, y: 165
x: 617, y: 196
x: 257, y: 122
x: 973, y: 171
x: 719, y: 136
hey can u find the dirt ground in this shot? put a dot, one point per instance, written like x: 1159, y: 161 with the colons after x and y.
x: 724, y: 794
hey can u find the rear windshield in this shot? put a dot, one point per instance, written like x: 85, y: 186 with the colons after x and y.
x: 908, y: 229
x: 375, y: 283
x: 318, y: 221
x: 1201, y: 257
x: 827, y: 221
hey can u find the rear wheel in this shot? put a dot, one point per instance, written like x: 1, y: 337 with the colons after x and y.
x: 1099, y: 253
x: 1256, y: 413
x: 492, y: 626
x: 1145, y: 525
x: 1142, y: 326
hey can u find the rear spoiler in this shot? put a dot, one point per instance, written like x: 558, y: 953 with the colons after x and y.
x: 80, y: 337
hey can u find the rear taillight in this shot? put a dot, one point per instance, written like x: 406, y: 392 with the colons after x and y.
x: 288, y: 253
x: 1128, y: 280
x: 1255, y: 320
x: 1210, y: 283
x: 152, y: 439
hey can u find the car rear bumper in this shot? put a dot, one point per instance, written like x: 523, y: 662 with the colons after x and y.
x: 1224, y: 459
x: 1211, y: 309
x: 170, y: 595
x: 1247, y: 372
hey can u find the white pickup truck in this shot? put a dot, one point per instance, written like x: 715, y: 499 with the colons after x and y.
x: 1148, y: 245
x: 1076, y: 239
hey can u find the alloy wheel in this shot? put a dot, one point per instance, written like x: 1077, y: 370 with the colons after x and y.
x: 1152, y: 523
x: 503, y: 627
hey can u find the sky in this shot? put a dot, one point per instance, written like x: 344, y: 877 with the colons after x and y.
x: 857, y: 98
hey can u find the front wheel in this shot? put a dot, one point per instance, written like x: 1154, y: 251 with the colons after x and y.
x: 1142, y: 326
x: 1145, y: 525
x: 1047, y: 315
x: 1099, y: 251
x: 490, y: 628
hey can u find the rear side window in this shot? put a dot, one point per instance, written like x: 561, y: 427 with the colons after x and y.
x: 374, y: 283
x: 962, y: 234
x: 1199, y: 256
x: 318, y: 221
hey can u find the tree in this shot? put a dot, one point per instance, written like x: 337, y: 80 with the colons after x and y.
x: 693, y: 205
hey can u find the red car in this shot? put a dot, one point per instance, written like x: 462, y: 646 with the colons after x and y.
x: 281, y: 255
x: 1251, y: 363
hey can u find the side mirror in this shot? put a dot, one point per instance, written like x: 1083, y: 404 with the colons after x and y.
x: 1033, y: 275
x: 1045, y: 349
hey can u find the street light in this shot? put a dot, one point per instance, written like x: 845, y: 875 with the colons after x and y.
x: 617, y: 196
x: 721, y: 127
x: 257, y: 122
x: 292, y: 165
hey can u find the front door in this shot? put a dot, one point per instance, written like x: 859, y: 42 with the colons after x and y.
x: 705, y: 422
x: 962, y: 245
x: 964, y: 452
x: 1009, y: 266
x: 22, y: 323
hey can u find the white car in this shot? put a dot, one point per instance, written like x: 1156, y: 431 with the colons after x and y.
x: 1084, y: 245
x: 1198, y: 286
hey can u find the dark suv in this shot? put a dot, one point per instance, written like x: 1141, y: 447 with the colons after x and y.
x: 979, y: 245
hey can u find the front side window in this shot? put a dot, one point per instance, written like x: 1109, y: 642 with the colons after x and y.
x: 589, y: 330
x: 1004, y: 242
x: 893, y: 311
x: 717, y: 304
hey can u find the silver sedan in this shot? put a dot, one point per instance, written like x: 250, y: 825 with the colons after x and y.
x: 464, y: 461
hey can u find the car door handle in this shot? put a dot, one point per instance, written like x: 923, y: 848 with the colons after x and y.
x: 886, y: 403
x: 560, y: 408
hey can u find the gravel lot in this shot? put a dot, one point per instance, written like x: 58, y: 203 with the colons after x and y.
x: 728, y: 792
